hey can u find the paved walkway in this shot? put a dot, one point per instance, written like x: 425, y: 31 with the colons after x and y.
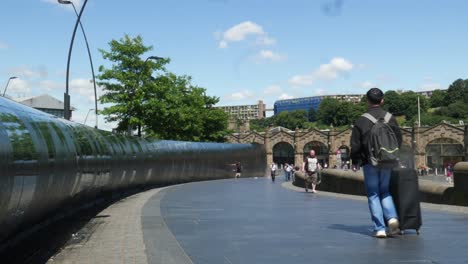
x: 114, y: 236
x: 257, y: 221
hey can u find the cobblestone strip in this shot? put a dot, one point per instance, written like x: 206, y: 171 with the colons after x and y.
x: 114, y: 236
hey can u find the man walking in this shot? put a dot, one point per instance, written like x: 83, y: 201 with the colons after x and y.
x: 311, y: 167
x: 376, y: 176
x: 273, y: 169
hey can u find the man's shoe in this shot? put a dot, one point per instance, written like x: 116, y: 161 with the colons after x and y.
x: 381, y: 234
x: 393, y: 226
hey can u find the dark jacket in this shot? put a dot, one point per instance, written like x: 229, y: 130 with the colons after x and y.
x: 360, y: 135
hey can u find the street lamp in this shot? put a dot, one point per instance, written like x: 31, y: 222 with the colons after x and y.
x: 66, y: 108
x: 129, y: 128
x: 84, y: 123
x: 11, y: 78
x: 66, y: 2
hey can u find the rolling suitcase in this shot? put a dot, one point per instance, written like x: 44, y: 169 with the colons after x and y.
x: 404, y: 188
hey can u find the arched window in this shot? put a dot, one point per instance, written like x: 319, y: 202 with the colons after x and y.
x: 442, y: 152
x: 283, y: 153
x: 321, y: 151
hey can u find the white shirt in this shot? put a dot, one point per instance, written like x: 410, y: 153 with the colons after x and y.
x: 273, y: 167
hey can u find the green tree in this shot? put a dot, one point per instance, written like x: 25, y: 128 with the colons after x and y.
x: 291, y: 120
x: 165, y: 106
x: 457, y: 110
x: 404, y: 104
x: 328, y: 110
x: 312, y: 115
x: 125, y: 81
x: 262, y: 124
x: 409, y: 101
x: 458, y: 91
x: 393, y: 103
x: 438, y: 98
x: 430, y: 119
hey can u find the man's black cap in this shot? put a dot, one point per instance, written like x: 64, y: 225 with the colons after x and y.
x: 375, y: 95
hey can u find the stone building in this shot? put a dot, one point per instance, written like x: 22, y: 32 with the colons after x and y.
x: 433, y: 147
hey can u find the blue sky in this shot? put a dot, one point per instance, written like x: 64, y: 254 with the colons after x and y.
x: 243, y: 51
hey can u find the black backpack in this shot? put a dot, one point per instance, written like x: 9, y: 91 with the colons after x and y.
x: 383, y: 144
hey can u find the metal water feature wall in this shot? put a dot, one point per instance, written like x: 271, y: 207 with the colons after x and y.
x: 48, y: 163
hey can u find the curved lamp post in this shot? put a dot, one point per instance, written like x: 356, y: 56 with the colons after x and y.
x: 66, y: 2
x: 86, y: 118
x: 9, y: 79
x: 66, y: 110
x: 129, y: 128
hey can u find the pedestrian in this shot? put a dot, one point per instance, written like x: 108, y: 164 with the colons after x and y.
x: 376, y: 176
x: 273, y: 169
x: 238, y: 170
x: 449, y: 174
x: 288, y: 171
x: 311, y: 167
x: 293, y: 172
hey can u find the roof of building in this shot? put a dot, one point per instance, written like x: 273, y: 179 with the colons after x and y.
x: 43, y: 101
x: 279, y: 129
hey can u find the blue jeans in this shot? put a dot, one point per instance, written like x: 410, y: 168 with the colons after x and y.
x: 381, y: 204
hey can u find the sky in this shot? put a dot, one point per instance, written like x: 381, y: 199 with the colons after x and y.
x: 244, y: 50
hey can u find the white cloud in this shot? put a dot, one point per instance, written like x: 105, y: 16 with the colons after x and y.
x: 366, y: 85
x: 265, y: 41
x: 49, y: 85
x: 29, y: 72
x: 320, y: 91
x: 241, y: 95
x: 330, y: 71
x: 272, y: 90
x: 284, y: 96
x: 302, y: 80
x: 19, y: 88
x: 268, y: 55
x: 84, y: 88
x: 241, y: 31
x: 3, y: 46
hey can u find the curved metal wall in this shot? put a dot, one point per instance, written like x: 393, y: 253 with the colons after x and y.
x: 47, y: 163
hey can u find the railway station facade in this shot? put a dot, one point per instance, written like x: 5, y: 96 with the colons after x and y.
x: 433, y: 147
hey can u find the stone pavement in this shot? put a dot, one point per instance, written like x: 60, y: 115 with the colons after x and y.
x: 114, y: 236
x: 257, y: 221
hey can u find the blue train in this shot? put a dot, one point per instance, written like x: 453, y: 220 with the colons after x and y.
x: 48, y: 163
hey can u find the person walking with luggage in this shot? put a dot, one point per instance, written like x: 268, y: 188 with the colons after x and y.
x: 375, y: 140
x: 273, y: 169
x: 311, y: 167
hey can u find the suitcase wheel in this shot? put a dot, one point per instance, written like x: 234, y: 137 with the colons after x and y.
x: 417, y: 231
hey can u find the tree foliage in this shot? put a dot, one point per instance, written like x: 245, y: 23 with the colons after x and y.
x: 438, y: 98
x: 404, y: 104
x: 336, y: 113
x: 162, y: 105
x: 292, y: 120
x: 458, y: 91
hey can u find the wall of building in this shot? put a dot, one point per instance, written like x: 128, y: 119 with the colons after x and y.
x: 415, y: 140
